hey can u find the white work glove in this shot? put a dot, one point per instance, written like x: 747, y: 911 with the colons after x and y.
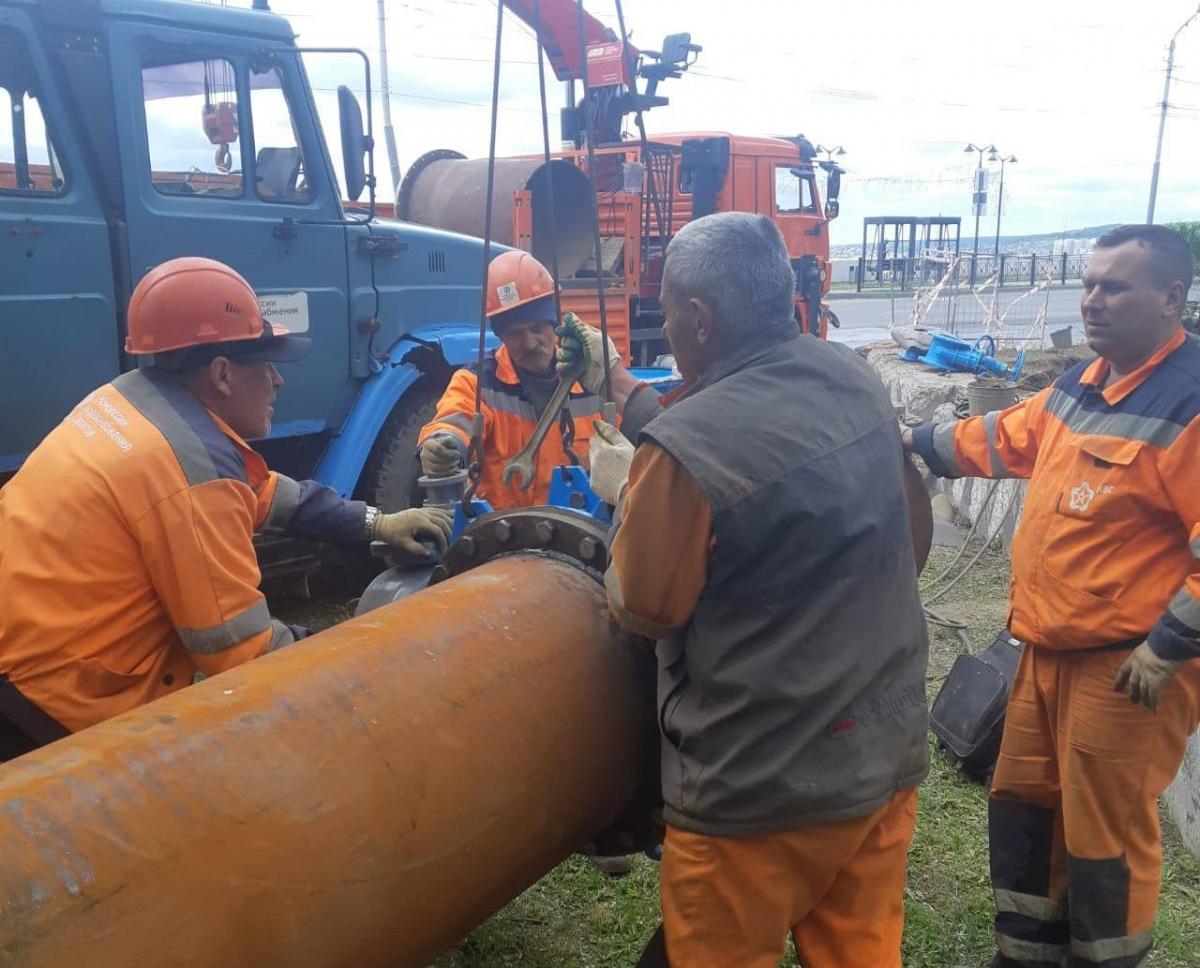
x: 609, y: 454
x: 401, y: 529
x: 440, y: 455
x: 580, y: 345
x: 1145, y: 675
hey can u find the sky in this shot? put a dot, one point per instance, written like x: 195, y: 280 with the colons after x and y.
x: 1070, y: 87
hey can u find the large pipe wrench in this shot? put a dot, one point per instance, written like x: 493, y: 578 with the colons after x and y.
x: 521, y: 466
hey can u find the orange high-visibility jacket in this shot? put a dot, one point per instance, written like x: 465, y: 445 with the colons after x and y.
x: 126, y: 555
x: 508, y: 421
x: 1109, y: 539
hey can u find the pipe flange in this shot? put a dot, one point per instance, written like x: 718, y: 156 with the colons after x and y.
x: 553, y: 532
x: 582, y: 542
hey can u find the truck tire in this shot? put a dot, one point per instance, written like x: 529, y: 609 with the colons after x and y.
x: 389, y: 479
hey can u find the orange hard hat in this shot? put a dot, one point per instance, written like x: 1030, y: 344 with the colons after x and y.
x: 193, y: 301
x: 515, y: 279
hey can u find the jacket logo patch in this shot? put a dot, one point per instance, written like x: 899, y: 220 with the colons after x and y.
x: 1081, y: 497
x: 842, y: 727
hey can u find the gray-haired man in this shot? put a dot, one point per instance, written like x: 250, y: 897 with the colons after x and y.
x: 765, y: 544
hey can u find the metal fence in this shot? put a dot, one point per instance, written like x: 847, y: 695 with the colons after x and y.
x: 972, y: 269
x: 1015, y: 315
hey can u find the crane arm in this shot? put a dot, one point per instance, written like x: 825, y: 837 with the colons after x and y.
x: 560, y: 34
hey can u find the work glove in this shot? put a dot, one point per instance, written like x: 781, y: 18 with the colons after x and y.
x: 609, y: 454
x: 580, y: 345
x: 1144, y: 675
x: 402, y: 528
x: 440, y: 455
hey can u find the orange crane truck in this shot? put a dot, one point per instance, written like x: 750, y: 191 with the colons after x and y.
x: 647, y: 188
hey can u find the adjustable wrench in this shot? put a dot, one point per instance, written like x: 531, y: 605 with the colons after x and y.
x: 521, y: 466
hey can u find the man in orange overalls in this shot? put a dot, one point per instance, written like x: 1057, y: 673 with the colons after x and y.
x: 516, y: 382
x: 126, y: 540
x: 1106, y: 596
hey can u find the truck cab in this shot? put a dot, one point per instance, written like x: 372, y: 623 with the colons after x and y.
x: 136, y: 131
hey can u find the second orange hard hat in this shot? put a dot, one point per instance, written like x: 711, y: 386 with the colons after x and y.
x: 515, y: 279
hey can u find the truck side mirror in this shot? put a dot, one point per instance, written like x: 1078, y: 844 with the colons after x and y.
x: 834, y: 188
x: 354, y: 143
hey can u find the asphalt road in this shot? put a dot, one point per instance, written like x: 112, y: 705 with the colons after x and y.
x: 868, y: 319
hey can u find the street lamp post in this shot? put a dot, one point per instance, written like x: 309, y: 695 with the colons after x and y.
x: 830, y: 152
x: 1162, y: 120
x: 1000, y: 200
x: 976, y: 202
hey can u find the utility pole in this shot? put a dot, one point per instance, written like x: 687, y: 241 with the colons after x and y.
x: 1162, y: 120
x: 1000, y: 201
x: 389, y: 134
x: 978, y: 200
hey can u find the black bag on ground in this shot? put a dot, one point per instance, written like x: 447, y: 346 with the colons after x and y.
x: 968, y: 713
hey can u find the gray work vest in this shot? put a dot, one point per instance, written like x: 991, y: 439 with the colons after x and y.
x: 796, y: 693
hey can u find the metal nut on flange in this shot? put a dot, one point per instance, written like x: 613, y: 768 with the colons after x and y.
x: 545, y: 532
x: 468, y: 546
x: 503, y: 531
x: 587, y: 548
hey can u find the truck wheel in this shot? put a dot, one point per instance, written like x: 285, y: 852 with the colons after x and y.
x: 389, y: 479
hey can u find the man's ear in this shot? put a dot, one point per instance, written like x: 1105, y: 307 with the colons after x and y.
x: 1176, y: 297
x: 220, y: 376
x: 703, y: 315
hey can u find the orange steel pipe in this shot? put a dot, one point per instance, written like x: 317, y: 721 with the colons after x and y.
x: 363, y: 798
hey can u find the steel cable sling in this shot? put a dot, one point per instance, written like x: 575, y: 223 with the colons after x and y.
x: 608, y: 409
x: 475, y: 447
x: 566, y: 421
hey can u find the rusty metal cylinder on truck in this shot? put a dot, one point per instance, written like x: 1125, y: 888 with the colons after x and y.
x: 364, y: 797
x: 446, y: 190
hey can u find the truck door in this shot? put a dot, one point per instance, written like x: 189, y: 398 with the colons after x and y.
x: 225, y: 161
x: 798, y: 215
x: 58, y: 324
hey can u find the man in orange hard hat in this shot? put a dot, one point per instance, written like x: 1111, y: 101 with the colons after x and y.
x: 516, y: 382
x: 126, y: 555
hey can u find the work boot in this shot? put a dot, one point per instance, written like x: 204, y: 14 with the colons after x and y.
x: 611, y: 866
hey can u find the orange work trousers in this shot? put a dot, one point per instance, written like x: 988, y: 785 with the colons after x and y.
x: 729, y: 902
x: 1073, y: 816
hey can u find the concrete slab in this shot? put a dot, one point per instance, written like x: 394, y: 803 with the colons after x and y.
x: 947, y: 535
x: 917, y: 390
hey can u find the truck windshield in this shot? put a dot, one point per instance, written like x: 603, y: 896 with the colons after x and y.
x: 793, y: 192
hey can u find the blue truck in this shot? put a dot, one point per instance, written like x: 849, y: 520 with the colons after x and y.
x: 135, y: 131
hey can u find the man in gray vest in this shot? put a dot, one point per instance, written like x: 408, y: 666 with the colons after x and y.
x: 765, y: 544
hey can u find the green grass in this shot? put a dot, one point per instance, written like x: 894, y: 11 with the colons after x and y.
x: 575, y: 917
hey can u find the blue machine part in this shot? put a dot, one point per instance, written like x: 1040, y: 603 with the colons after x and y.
x: 948, y: 352
x: 343, y: 461
x: 571, y: 490
x: 461, y: 521
x: 660, y: 378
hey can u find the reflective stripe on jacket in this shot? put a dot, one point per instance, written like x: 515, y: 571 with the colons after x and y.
x: 126, y: 555
x: 508, y: 421
x: 1109, y: 539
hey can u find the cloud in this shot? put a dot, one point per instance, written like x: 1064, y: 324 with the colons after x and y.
x: 1070, y: 87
